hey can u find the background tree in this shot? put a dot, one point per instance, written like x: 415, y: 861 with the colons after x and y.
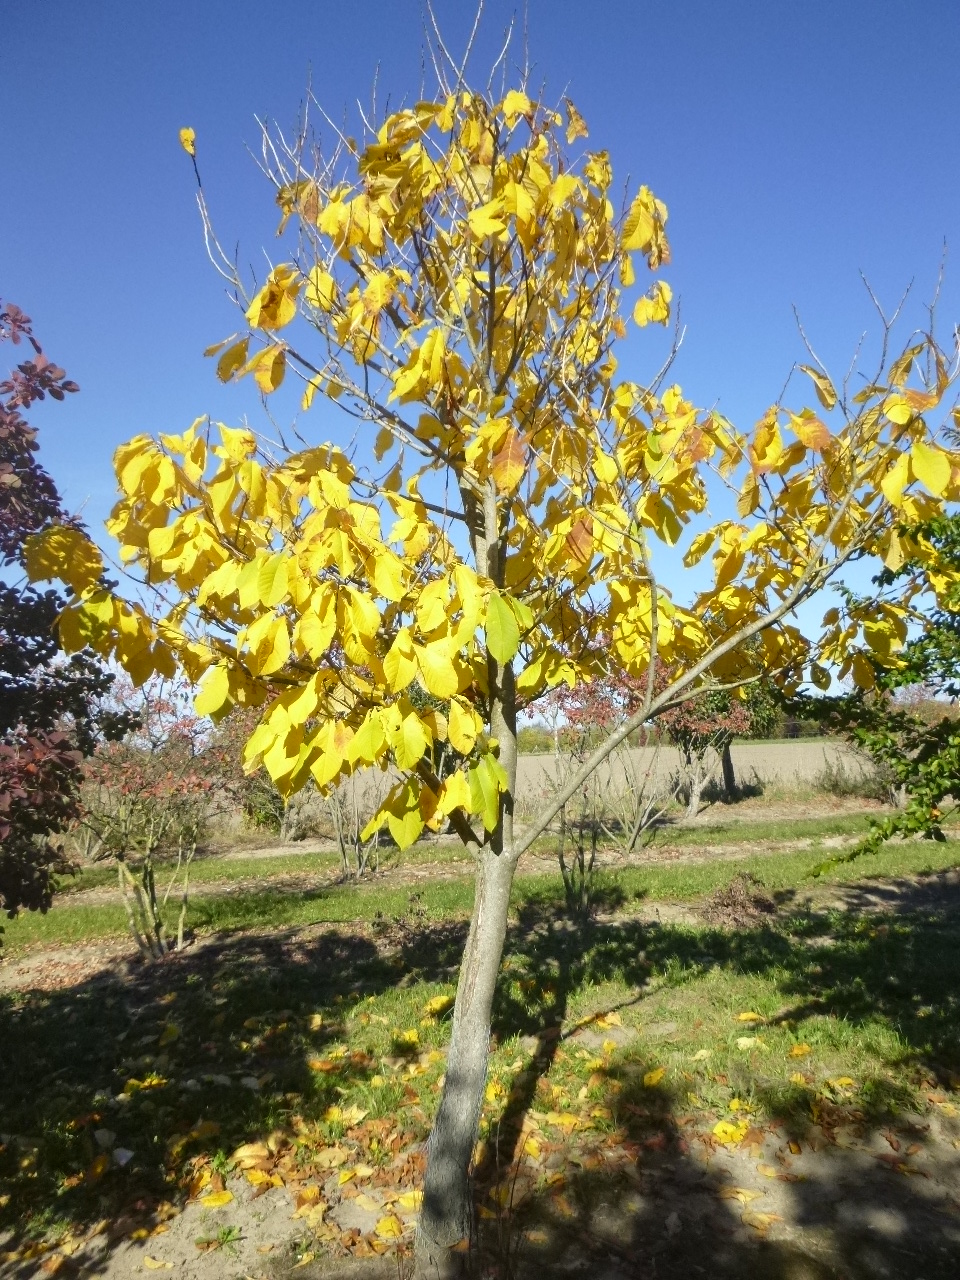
x: 147, y: 800
x: 454, y: 282
x: 49, y: 703
x: 906, y: 723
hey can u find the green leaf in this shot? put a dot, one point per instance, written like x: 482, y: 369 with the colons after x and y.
x: 484, y: 777
x: 503, y: 630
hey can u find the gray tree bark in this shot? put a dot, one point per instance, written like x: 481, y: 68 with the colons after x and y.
x: 446, y: 1217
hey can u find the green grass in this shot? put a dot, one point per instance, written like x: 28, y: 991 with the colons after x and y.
x: 270, y: 907
x: 734, y: 830
x: 858, y: 1013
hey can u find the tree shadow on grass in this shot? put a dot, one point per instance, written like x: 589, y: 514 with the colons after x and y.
x: 648, y: 1193
x: 841, y: 1184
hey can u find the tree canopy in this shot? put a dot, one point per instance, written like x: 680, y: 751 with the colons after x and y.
x: 501, y: 519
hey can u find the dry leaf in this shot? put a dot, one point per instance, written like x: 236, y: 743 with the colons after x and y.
x: 155, y: 1264
x: 799, y: 1051
x: 331, y: 1158
x: 759, y: 1221
x: 653, y: 1078
x: 742, y: 1194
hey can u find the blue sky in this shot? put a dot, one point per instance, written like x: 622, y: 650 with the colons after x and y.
x: 795, y: 145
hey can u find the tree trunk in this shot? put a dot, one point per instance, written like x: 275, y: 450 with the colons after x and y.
x: 729, y: 777
x: 446, y: 1217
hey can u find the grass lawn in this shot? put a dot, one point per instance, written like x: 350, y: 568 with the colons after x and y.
x: 626, y: 1031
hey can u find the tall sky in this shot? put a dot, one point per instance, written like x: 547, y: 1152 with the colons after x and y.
x: 796, y: 145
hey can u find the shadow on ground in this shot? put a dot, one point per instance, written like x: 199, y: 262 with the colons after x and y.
x: 865, y: 1191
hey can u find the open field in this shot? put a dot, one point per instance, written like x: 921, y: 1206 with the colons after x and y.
x: 708, y: 1078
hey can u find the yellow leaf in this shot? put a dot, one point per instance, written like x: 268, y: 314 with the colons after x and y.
x: 64, y: 553
x: 216, y: 1199
x: 439, y: 1004
x: 576, y: 125
x: 799, y: 1051
x: 461, y: 727
x: 269, y: 369
x: 896, y: 480
x: 155, y: 1264
x: 437, y: 670
x: 276, y: 303
x: 321, y: 290
x: 233, y: 359
x: 750, y: 1017
x: 730, y: 1134
x: 741, y: 1194
x: 330, y: 1158
x: 188, y: 140
x: 487, y: 220
x: 508, y: 465
x: 931, y: 466
x: 813, y: 433
x: 400, y: 662
x: 768, y: 1170
x: 654, y: 307
x: 389, y: 1227
x: 759, y: 1221
x: 169, y: 1035
x: 823, y: 387
x: 653, y: 1078
x: 516, y: 104
x: 643, y: 227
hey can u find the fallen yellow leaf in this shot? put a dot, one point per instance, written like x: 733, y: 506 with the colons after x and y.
x: 767, y: 1170
x: 439, y: 1004
x: 799, y: 1051
x: 563, y: 1120
x: 739, y: 1193
x: 154, y: 1264
x: 759, y: 1221
x: 750, y: 1017
x: 730, y: 1134
x: 410, y: 1201
x: 653, y: 1078
x: 244, y: 1157
x: 330, y: 1158
x: 389, y: 1227
x: 216, y: 1199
